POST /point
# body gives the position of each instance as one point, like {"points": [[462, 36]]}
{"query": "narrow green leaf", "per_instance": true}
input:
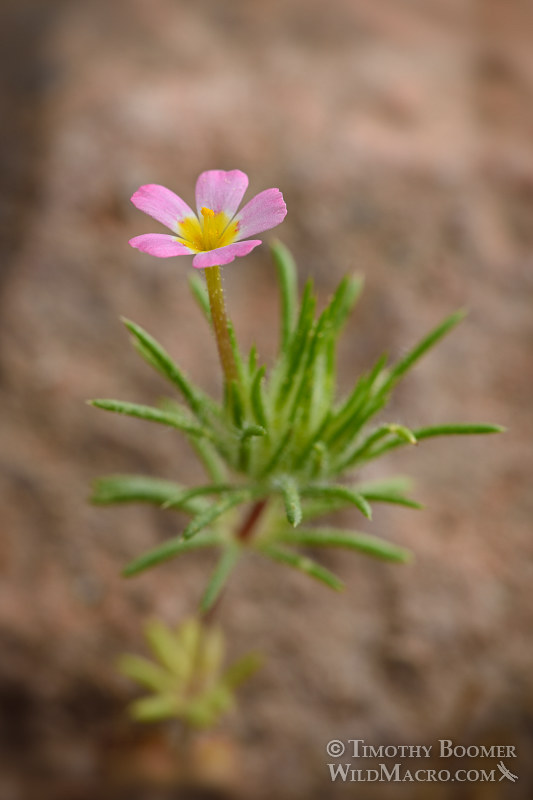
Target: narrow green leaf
{"points": [[360, 404], [319, 460], [158, 357], [465, 429], [328, 505], [362, 451], [236, 352], [390, 497], [296, 352], [140, 488], [403, 433], [461, 429], [172, 548], [145, 672], [158, 707], [429, 341], [248, 432], [291, 497], [314, 395], [339, 492], [379, 371], [235, 403], [152, 414], [203, 712], [321, 387], [200, 294], [303, 380], [394, 499], [288, 282], [397, 484], [222, 571], [311, 509], [256, 397], [343, 301], [390, 490], [304, 564], [210, 653], [313, 441], [302, 335], [147, 356], [219, 700], [241, 670], [277, 454], [179, 498], [189, 635], [212, 513], [311, 382], [330, 373], [351, 404], [165, 645], [373, 404], [351, 540], [252, 360]]}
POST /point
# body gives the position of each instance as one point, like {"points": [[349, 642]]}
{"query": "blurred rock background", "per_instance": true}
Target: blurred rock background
{"points": [[401, 137]]}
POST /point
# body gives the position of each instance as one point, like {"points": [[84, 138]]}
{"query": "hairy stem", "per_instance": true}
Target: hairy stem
{"points": [[220, 323], [242, 534]]}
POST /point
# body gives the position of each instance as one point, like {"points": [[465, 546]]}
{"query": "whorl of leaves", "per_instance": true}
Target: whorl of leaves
{"points": [[283, 436]]}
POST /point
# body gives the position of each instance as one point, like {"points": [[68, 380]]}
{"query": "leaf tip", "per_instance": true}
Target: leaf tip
{"points": [[406, 557], [128, 572]]}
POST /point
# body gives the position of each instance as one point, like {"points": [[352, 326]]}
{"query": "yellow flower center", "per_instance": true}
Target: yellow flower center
{"points": [[209, 233]]}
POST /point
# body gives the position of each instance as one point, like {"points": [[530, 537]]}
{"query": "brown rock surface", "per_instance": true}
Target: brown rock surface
{"points": [[401, 137]]}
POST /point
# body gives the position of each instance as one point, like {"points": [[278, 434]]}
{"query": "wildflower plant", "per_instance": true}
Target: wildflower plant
{"points": [[283, 448], [186, 679]]}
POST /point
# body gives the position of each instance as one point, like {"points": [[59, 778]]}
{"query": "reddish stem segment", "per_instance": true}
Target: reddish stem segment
{"points": [[249, 522]]}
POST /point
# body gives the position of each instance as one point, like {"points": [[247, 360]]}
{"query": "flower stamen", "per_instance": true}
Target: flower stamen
{"points": [[211, 232]]}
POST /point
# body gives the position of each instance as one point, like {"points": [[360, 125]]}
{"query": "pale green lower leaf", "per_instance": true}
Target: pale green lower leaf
{"points": [[168, 649], [145, 672], [156, 708], [243, 669]]}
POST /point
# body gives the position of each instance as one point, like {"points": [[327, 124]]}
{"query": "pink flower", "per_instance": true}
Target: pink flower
{"points": [[215, 234]]}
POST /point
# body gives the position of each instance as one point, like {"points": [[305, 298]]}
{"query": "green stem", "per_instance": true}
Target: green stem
{"points": [[243, 534], [220, 323]]}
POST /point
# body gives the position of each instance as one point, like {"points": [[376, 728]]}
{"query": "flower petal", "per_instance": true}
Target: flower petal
{"points": [[161, 245], [224, 255], [221, 191], [264, 211], [162, 204]]}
